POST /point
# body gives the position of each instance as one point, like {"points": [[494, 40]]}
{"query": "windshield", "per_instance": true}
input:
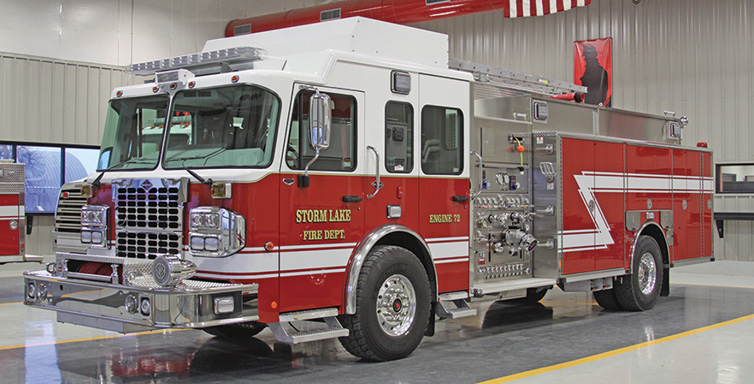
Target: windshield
{"points": [[232, 126], [133, 133]]}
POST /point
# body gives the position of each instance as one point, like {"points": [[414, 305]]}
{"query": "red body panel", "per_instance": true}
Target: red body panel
{"points": [[608, 161], [604, 180], [578, 156], [687, 223], [444, 223], [10, 207]]}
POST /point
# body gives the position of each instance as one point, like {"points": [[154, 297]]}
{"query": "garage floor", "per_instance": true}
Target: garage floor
{"points": [[702, 333]]}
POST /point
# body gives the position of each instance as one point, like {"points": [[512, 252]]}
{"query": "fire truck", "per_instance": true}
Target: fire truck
{"points": [[347, 180], [12, 214]]}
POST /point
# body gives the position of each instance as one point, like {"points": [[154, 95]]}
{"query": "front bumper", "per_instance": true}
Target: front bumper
{"points": [[121, 308]]}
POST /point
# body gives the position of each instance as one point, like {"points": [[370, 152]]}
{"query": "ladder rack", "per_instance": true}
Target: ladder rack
{"points": [[511, 83]]}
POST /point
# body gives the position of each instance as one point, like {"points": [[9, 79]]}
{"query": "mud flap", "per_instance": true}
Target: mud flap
{"points": [[665, 282]]}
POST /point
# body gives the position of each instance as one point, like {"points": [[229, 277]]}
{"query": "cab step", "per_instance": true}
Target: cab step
{"points": [[454, 309], [295, 328]]}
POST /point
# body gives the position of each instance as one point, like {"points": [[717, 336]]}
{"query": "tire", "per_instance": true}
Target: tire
{"points": [[639, 290], [607, 299], [533, 295], [392, 306], [236, 331]]}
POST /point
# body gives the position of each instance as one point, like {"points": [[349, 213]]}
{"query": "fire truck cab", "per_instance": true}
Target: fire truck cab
{"points": [[344, 173]]}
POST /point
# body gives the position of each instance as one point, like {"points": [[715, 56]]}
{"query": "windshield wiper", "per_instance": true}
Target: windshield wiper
{"points": [[96, 182], [196, 175]]}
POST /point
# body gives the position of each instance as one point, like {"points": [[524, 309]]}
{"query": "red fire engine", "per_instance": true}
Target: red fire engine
{"points": [[12, 213], [343, 180]]}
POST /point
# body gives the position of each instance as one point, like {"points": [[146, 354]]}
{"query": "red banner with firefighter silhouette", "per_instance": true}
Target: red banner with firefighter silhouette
{"points": [[593, 68]]}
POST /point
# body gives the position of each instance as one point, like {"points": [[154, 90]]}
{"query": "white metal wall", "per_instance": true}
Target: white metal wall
{"points": [[694, 57], [54, 101]]}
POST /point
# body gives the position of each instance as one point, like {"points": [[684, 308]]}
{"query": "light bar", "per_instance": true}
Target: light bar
{"points": [[198, 60]]}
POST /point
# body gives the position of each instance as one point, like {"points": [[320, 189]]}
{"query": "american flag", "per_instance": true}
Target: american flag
{"points": [[525, 8]]}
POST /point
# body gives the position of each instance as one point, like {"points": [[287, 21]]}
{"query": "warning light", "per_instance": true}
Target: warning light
{"points": [[274, 304], [701, 144], [269, 246]]}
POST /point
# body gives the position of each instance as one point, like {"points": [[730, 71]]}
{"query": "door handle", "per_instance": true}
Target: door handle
{"points": [[460, 199], [376, 184], [352, 199]]}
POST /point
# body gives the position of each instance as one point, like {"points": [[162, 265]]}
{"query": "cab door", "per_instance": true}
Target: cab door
{"points": [[320, 223], [444, 178]]}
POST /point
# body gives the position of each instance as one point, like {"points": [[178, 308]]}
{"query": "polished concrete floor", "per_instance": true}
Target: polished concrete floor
{"points": [[702, 333]]}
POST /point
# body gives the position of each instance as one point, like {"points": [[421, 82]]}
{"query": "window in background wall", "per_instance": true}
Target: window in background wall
{"points": [[47, 168], [42, 177], [735, 178], [80, 162], [6, 152]]}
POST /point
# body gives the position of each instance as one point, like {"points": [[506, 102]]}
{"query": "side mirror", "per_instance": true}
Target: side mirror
{"points": [[320, 116]]}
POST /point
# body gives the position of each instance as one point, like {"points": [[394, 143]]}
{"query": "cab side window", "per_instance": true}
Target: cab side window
{"points": [[341, 156], [441, 140], [399, 137]]}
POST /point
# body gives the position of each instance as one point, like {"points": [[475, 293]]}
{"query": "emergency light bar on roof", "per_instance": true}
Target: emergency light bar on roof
{"points": [[202, 63]]}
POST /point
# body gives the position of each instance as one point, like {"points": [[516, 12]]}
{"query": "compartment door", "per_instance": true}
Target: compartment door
{"points": [[579, 203], [9, 213]]}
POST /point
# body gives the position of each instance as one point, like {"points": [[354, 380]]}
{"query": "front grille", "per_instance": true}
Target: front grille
{"points": [[148, 217], [146, 245], [155, 208], [68, 214]]}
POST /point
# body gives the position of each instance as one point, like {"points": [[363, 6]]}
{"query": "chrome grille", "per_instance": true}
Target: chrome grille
{"points": [[148, 217], [146, 245], [68, 214]]}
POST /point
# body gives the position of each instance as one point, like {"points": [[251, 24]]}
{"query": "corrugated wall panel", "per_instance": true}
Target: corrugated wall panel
{"points": [[53, 101], [694, 57]]}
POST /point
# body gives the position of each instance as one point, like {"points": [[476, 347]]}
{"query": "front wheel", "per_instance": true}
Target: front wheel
{"points": [[639, 290], [392, 306]]}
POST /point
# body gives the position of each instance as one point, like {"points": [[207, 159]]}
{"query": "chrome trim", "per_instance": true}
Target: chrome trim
{"points": [[692, 261], [377, 185], [481, 169], [636, 241], [366, 245], [103, 305], [594, 275], [229, 231]]}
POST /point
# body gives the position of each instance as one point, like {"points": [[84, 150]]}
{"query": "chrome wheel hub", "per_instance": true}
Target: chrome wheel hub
{"points": [[647, 273], [396, 305]]}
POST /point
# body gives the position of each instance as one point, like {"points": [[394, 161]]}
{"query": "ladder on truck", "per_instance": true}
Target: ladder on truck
{"points": [[492, 82]]}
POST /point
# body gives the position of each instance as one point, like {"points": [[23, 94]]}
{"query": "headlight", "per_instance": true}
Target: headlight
{"points": [[216, 232], [94, 225], [94, 215]]}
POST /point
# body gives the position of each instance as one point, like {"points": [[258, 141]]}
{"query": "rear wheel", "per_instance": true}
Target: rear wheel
{"points": [[236, 331], [392, 306], [639, 290]]}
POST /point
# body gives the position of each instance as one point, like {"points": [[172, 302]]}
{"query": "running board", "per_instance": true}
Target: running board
{"points": [[305, 331]]}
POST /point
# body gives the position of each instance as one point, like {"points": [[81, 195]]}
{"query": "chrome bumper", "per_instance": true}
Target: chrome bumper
{"points": [[120, 308]]}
